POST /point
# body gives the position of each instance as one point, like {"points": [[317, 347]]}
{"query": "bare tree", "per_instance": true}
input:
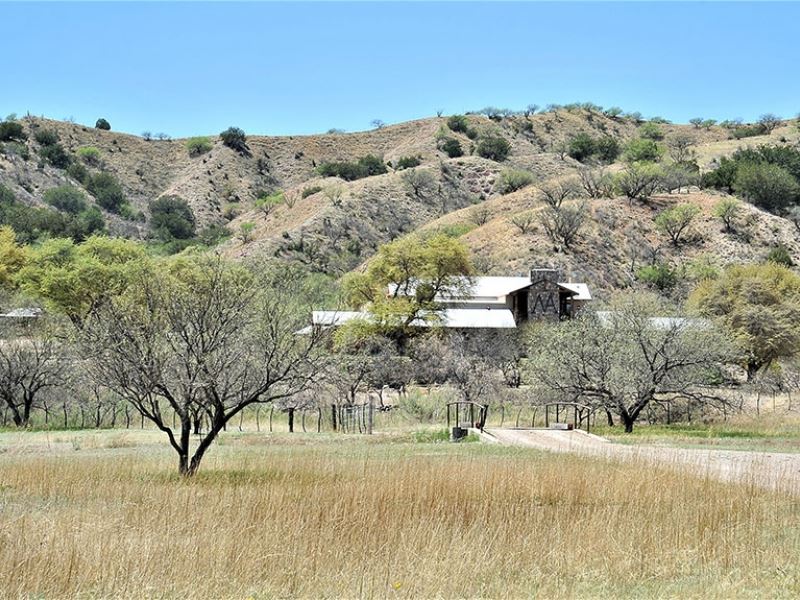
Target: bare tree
{"points": [[555, 192], [420, 181], [210, 338], [480, 215], [523, 221], [32, 360], [596, 183], [623, 359], [769, 122], [377, 124], [680, 146], [563, 224]]}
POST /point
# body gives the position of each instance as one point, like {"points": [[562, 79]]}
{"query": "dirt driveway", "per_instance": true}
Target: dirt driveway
{"points": [[774, 470]]}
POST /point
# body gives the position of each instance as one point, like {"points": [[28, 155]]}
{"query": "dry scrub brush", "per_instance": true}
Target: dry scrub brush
{"points": [[354, 519]]}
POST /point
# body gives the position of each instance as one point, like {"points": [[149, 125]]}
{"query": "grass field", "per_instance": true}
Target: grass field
{"points": [[103, 514]]}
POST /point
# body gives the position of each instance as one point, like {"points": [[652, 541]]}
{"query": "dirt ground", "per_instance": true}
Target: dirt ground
{"points": [[772, 470]]}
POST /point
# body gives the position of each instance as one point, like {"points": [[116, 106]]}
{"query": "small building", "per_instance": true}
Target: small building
{"points": [[493, 302]]}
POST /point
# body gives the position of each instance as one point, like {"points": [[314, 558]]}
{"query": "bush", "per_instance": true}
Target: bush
{"points": [[102, 124], [659, 276], [67, 198], [310, 191], [651, 131], [235, 138], [493, 147], [55, 155], [780, 255], [366, 166], [408, 162], [89, 155], [767, 185], [642, 150], [676, 221], [746, 131], [512, 180], [108, 192], [78, 172], [12, 131], [198, 145], [172, 218], [451, 147], [639, 181], [458, 123], [17, 148], [46, 137], [581, 147], [606, 149]]}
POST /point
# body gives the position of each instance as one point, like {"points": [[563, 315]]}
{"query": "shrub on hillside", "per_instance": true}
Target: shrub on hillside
{"points": [[16, 149], [780, 255], [55, 155], [451, 147], [583, 147], [651, 131], [767, 185], [12, 131], [493, 147], [108, 192], [46, 137], [102, 124], [366, 166], [458, 123], [67, 198], [642, 150], [512, 180], [198, 145], [310, 191], [408, 162], [659, 276], [89, 155], [78, 172], [676, 221], [639, 181], [172, 218], [235, 138]]}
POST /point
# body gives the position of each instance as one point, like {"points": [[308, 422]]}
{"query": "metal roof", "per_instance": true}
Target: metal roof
{"points": [[499, 287], [451, 318], [581, 290], [22, 313]]}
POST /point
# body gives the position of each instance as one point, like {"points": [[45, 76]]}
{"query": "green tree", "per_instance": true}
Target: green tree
{"points": [[639, 181], [235, 139], [267, 204], [198, 145], [102, 124], [642, 150], [493, 147], [12, 131], [767, 185], [458, 123], [107, 190], [404, 281], [451, 147], [581, 146], [67, 198], [172, 218], [55, 155], [651, 131], [12, 256], [676, 221], [512, 180], [760, 306], [728, 210]]}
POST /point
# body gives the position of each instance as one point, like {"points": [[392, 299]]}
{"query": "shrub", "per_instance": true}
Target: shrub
{"points": [[89, 155], [310, 191], [642, 150], [512, 180], [46, 137], [67, 198], [581, 146], [493, 147], [12, 131], [659, 276], [55, 155], [17, 148], [747, 131], [767, 185], [235, 138], [102, 124], [639, 181], [676, 221], [246, 232], [458, 123], [78, 172], [172, 218], [107, 190], [780, 255], [451, 147], [408, 162], [198, 145], [606, 149], [266, 204], [728, 210], [651, 131], [366, 166]]}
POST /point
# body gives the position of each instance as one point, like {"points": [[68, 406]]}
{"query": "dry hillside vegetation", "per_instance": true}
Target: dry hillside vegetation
{"points": [[350, 518], [333, 225]]}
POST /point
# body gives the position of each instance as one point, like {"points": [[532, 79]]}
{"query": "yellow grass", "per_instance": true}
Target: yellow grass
{"points": [[344, 516]]}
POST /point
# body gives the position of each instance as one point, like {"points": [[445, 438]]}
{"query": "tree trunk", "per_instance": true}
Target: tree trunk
{"points": [[333, 416], [610, 418], [290, 411]]}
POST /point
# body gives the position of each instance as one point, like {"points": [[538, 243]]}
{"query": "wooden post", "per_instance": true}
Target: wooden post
{"points": [[333, 415], [290, 411], [371, 416]]}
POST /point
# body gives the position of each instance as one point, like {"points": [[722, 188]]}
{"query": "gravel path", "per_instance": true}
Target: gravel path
{"points": [[773, 470]]}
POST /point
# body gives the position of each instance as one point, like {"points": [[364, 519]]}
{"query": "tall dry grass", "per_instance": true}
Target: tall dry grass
{"points": [[344, 517]]}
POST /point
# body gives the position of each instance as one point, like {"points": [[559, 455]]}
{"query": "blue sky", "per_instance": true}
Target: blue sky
{"points": [[187, 69]]}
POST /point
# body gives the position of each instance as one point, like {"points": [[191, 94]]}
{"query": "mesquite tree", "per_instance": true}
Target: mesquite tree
{"points": [[624, 359], [201, 336]]}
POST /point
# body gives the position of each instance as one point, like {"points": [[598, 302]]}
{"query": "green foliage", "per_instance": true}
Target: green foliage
{"points": [[512, 180], [108, 192], [760, 306], [408, 162], [780, 255], [89, 155], [458, 123], [651, 131], [13, 256], [17, 148], [246, 230], [746, 131], [102, 124], [723, 177], [451, 147], [767, 185], [235, 138], [266, 204], [642, 150], [199, 145], [455, 230], [659, 276], [67, 198], [493, 147], [366, 166], [310, 191], [78, 172], [728, 211], [55, 155], [12, 131], [46, 137], [172, 218], [75, 279], [639, 181], [676, 221], [583, 147]]}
